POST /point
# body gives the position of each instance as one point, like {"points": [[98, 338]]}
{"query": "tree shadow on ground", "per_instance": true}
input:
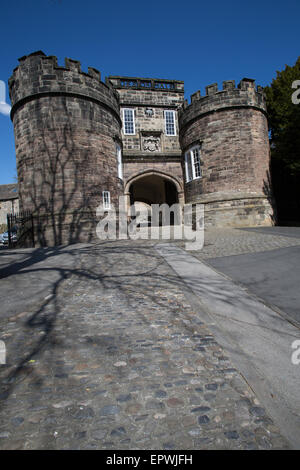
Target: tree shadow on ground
{"points": [[97, 263]]}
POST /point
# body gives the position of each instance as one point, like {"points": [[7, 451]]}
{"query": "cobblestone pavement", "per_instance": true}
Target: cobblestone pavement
{"points": [[118, 358], [228, 242]]}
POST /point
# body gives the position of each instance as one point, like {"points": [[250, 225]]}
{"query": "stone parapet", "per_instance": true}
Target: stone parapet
{"points": [[245, 95], [40, 75]]}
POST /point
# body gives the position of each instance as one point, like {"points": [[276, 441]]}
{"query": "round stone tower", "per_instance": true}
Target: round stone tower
{"points": [[229, 131], [67, 129]]}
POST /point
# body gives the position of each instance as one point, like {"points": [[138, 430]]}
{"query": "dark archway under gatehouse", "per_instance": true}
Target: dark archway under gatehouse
{"points": [[153, 189]]}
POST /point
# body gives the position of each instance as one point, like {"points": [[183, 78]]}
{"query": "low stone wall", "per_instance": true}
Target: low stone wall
{"points": [[237, 210]]}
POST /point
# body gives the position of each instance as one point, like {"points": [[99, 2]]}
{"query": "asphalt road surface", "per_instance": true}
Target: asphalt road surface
{"points": [[274, 276]]}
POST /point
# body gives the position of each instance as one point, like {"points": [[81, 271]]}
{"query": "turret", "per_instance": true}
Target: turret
{"points": [[67, 128], [224, 139]]}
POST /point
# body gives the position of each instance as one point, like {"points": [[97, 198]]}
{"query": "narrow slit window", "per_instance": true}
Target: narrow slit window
{"points": [[170, 122], [128, 121], [106, 200]]}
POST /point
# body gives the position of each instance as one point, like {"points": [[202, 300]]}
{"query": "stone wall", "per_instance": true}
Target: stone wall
{"points": [[171, 168], [150, 149]]}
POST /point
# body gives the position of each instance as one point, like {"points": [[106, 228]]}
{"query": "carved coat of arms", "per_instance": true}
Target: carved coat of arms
{"points": [[151, 144]]}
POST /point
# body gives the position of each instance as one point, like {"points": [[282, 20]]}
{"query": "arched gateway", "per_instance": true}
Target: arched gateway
{"points": [[152, 187]]}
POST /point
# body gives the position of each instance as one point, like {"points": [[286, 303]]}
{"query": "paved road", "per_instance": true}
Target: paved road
{"points": [[265, 260], [293, 232], [108, 351], [108, 348], [273, 275], [258, 339], [29, 275]]}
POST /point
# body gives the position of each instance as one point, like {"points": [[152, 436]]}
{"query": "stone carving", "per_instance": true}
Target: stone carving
{"points": [[149, 112], [151, 144]]}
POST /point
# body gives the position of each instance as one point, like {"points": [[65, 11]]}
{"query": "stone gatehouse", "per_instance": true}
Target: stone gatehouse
{"points": [[82, 142]]}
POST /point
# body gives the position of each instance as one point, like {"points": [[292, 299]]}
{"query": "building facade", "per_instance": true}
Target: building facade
{"points": [[9, 201], [81, 142]]}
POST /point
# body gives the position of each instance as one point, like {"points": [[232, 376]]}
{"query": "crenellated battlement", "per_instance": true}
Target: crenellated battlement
{"points": [[244, 95], [51, 61], [246, 84], [38, 74]]}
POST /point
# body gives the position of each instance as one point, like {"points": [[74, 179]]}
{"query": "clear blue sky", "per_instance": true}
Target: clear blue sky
{"points": [[200, 42]]}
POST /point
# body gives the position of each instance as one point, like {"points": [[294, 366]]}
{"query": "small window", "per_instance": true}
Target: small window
{"points": [[170, 122], [192, 164], [128, 121], [196, 162], [119, 158], [106, 200]]}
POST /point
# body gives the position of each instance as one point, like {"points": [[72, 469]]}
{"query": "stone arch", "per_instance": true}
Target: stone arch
{"points": [[154, 172], [149, 187]]}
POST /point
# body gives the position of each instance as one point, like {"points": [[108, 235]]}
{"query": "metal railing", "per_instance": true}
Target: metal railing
{"points": [[20, 230]]}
